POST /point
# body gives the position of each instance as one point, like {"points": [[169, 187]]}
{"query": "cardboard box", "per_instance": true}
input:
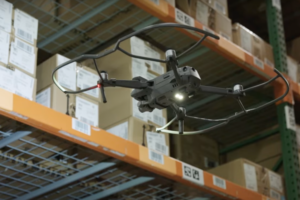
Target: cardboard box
{"points": [[272, 184], [4, 46], [52, 97], [293, 49], [133, 129], [6, 14], [171, 2], [242, 172], [197, 150], [208, 16], [219, 5], [66, 76], [23, 56], [25, 27], [268, 54], [292, 66], [88, 77], [15, 81], [248, 41]]}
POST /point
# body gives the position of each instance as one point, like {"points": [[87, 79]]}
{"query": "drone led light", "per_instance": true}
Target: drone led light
{"points": [[158, 92], [179, 96]]}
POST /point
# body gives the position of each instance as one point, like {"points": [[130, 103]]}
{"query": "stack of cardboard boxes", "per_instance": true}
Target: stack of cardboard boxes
{"points": [[120, 115], [253, 44], [252, 176], [213, 14], [18, 52]]}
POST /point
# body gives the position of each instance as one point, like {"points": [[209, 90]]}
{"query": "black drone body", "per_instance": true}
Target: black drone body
{"points": [[171, 88]]}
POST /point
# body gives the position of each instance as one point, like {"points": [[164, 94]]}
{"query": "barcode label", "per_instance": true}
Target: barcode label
{"points": [[268, 62], [24, 35], [24, 46], [208, 30], [219, 7], [258, 62], [183, 18], [161, 148], [157, 157], [81, 126], [219, 182], [155, 1], [85, 120], [159, 120], [275, 195], [276, 4], [192, 174]]}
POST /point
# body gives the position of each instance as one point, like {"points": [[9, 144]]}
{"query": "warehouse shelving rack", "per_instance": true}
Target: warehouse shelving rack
{"points": [[131, 175]]}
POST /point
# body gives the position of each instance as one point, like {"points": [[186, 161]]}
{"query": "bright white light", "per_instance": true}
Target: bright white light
{"points": [[179, 96]]}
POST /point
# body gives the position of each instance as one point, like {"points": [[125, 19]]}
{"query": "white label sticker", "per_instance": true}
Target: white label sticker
{"points": [[275, 195], [26, 27], [4, 45], [66, 76], [290, 118], [21, 57], [268, 62], [81, 126], [138, 68], [245, 40], [183, 18], [250, 176], [7, 79], [120, 130], [202, 13], [155, 1], [156, 67], [192, 174], [276, 4], [86, 111], [137, 113], [5, 16], [44, 97], [23, 84], [157, 142], [275, 181], [219, 182], [157, 157], [156, 116], [86, 79], [219, 7], [151, 76], [258, 62]]}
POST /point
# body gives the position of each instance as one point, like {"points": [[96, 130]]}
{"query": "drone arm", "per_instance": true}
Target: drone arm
{"points": [[219, 91], [135, 84]]}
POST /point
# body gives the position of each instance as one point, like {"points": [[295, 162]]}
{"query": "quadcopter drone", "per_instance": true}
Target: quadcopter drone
{"points": [[169, 89]]}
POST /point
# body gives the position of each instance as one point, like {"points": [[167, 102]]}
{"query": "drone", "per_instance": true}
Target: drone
{"points": [[171, 88]]}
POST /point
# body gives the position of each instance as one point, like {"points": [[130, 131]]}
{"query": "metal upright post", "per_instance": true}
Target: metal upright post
{"points": [[284, 110]]}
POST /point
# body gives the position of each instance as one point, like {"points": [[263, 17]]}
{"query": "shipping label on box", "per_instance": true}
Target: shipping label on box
{"points": [[6, 79], [5, 16], [202, 13], [66, 76], [4, 46], [26, 26], [23, 56], [157, 142], [250, 177], [275, 181], [120, 130], [24, 85], [44, 97], [87, 111], [86, 79]]}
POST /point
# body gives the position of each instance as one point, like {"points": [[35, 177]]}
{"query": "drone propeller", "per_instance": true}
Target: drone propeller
{"points": [[165, 90]]}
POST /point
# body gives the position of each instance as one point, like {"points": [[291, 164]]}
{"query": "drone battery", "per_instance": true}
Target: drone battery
{"points": [[66, 76], [141, 132]]}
